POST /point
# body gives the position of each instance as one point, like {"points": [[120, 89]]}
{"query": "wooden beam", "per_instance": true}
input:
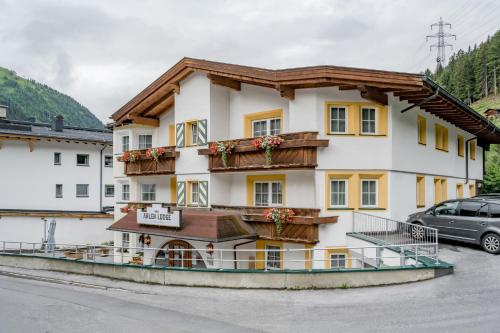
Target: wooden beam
{"points": [[286, 92], [144, 121], [160, 106], [225, 82], [347, 87], [373, 94], [175, 87]]}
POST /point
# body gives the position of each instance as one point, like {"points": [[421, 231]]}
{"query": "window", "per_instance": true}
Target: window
{"points": [[125, 143], [368, 193], [273, 257], [195, 193], [82, 159], [125, 192], [268, 194], [472, 150], [472, 190], [57, 158], [470, 209], [125, 240], [145, 141], [337, 260], [441, 138], [194, 133], [460, 146], [447, 209], [483, 212], [420, 191], [422, 130], [148, 192], [338, 193], [108, 161], [266, 127], [368, 121], [109, 190], [460, 191], [440, 190], [82, 190], [494, 211], [59, 191], [338, 119]]}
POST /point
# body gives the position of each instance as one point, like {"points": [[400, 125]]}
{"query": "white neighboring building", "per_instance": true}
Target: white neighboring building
{"points": [[55, 172], [349, 145]]}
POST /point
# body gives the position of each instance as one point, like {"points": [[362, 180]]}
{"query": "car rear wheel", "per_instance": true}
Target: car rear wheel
{"points": [[491, 243], [417, 231]]}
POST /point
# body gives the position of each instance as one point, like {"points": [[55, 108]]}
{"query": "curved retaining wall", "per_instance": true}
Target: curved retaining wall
{"points": [[232, 279]]}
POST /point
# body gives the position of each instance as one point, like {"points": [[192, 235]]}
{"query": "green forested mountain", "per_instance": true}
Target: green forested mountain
{"points": [[470, 75], [29, 99]]}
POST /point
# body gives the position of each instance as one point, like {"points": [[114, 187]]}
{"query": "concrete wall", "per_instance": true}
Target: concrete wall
{"points": [[224, 279], [68, 230]]}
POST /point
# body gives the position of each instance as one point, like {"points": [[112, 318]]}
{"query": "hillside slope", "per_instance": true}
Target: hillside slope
{"points": [[29, 99]]}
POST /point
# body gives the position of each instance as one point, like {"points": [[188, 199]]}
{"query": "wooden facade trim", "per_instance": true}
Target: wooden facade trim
{"points": [[144, 166]]}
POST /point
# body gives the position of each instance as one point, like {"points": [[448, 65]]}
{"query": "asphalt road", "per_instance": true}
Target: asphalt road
{"points": [[467, 301]]}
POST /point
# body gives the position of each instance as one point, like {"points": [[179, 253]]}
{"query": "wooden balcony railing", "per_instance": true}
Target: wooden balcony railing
{"points": [[144, 165], [304, 227], [297, 151]]}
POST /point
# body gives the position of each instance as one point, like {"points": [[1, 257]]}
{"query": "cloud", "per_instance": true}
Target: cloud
{"points": [[104, 52]]}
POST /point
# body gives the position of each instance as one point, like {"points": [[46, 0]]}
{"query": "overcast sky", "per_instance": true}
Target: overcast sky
{"points": [[103, 52]]}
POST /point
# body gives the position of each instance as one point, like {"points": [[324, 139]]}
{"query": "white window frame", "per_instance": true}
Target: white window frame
{"points": [[149, 193], [109, 157], [142, 147], [346, 118], [125, 192], [88, 160], [61, 194], [192, 192], [376, 192], [338, 260], [269, 193], [193, 130], [123, 143], [268, 126], [59, 157], [375, 120], [346, 182], [125, 241], [82, 196], [273, 264], [106, 187]]}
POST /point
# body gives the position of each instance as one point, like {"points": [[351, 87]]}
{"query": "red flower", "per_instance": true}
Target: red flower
{"points": [[148, 153], [257, 143], [213, 148]]}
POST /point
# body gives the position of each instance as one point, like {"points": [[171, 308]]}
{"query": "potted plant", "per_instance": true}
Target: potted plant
{"points": [[279, 216], [155, 153], [268, 143], [130, 156], [104, 251], [222, 148]]}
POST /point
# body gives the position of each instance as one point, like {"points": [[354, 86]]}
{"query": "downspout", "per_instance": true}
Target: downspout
{"points": [[100, 179], [234, 252]]}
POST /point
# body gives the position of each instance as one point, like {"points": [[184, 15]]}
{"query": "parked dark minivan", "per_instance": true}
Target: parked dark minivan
{"points": [[474, 220]]}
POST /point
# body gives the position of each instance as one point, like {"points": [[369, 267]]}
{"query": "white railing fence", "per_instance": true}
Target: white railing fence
{"points": [[368, 257], [384, 231]]}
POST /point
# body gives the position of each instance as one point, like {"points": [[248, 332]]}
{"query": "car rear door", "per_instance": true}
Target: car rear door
{"points": [[471, 219], [441, 217]]}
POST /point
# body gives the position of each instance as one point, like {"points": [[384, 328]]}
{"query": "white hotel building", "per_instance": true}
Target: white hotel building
{"points": [[54, 172], [384, 143]]}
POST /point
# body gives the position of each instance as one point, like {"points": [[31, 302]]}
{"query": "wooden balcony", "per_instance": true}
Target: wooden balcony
{"points": [[304, 227], [144, 165], [297, 151]]}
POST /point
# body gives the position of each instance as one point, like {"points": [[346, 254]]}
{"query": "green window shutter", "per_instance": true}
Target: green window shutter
{"points": [[180, 137], [181, 193], [202, 132], [203, 194]]}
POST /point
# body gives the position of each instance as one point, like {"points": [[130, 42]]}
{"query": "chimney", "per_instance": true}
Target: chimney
{"points": [[59, 123], [3, 111]]}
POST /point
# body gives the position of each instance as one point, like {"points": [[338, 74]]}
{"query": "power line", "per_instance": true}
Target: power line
{"points": [[441, 44]]}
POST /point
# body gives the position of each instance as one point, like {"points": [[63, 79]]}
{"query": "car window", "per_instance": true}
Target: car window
{"points": [[494, 211], [470, 208], [447, 208], [483, 212]]}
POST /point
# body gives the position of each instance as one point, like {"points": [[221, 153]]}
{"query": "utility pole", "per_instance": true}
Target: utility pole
{"points": [[441, 44]]}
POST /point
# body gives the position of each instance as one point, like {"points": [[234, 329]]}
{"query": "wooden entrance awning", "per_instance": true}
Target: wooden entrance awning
{"points": [[209, 226]]}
